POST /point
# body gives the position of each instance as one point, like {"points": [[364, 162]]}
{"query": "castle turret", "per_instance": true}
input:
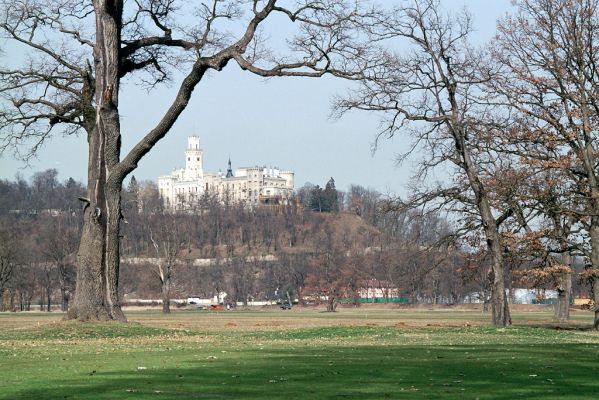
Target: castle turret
{"points": [[289, 178], [194, 168]]}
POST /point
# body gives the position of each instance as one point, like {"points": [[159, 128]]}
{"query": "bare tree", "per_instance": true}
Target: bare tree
{"points": [[429, 92], [25, 285], [58, 242], [542, 234], [72, 78], [8, 261], [330, 265], [47, 278], [548, 52], [166, 239], [216, 278], [241, 278]]}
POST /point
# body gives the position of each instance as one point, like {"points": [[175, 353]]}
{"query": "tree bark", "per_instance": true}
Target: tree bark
{"points": [[166, 297], [64, 294], [166, 301], [500, 313], [594, 235], [49, 299], [562, 308], [96, 294]]}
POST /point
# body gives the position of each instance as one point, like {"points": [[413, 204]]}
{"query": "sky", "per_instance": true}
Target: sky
{"points": [[280, 122]]}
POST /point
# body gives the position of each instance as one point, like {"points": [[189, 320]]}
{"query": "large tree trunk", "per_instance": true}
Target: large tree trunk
{"points": [[499, 305], [64, 294], [13, 294], [594, 235], [562, 308], [49, 299], [166, 296], [96, 293]]}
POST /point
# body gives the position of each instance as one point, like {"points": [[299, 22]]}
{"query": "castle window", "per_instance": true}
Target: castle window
{"points": [[198, 158]]}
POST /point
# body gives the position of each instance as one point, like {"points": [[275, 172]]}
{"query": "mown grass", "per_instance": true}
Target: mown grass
{"points": [[282, 355]]}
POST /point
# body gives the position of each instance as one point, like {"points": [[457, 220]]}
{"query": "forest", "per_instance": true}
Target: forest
{"points": [[260, 253]]}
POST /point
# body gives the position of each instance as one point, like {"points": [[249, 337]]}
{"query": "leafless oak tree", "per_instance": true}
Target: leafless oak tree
{"points": [[76, 55], [58, 241], [8, 262], [167, 240], [429, 92], [548, 51]]}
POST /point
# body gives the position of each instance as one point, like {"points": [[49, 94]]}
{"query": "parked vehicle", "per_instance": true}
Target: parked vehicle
{"points": [[286, 305]]}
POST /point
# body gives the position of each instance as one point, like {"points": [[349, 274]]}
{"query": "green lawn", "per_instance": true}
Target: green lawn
{"points": [[297, 355]]}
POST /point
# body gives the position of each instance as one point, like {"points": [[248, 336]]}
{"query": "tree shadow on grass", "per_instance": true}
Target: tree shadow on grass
{"points": [[563, 326], [358, 372]]}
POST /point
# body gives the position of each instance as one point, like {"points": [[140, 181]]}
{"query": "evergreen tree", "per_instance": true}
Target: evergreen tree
{"points": [[131, 197], [331, 197], [326, 200], [316, 199]]}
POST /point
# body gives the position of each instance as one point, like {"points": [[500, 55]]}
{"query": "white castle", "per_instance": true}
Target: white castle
{"points": [[184, 187]]}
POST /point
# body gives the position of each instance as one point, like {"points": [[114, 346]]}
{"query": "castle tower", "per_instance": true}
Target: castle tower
{"points": [[194, 163], [229, 170]]}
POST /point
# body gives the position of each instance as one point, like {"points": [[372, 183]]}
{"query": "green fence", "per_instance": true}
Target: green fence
{"points": [[395, 300]]}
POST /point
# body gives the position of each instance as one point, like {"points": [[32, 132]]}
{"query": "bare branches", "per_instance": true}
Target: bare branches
{"points": [[547, 52], [431, 92], [56, 86], [52, 84], [315, 61]]}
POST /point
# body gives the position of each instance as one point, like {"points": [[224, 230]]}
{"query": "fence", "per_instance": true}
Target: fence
{"points": [[394, 300]]}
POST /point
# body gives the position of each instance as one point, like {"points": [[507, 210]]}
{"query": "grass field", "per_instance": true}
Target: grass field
{"points": [[365, 353]]}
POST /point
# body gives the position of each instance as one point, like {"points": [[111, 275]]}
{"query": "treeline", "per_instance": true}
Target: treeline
{"points": [[249, 253], [265, 253], [40, 223], [357, 248], [44, 193]]}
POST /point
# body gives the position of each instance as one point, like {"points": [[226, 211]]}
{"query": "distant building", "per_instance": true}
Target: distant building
{"points": [[183, 188], [532, 296], [376, 289], [518, 296]]}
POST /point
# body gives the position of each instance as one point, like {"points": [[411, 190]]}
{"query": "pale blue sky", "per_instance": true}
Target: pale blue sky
{"points": [[280, 122]]}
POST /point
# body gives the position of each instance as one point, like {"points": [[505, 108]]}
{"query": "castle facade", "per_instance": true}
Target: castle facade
{"points": [[184, 187]]}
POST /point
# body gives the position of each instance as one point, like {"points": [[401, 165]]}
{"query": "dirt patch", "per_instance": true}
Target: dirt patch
{"points": [[314, 317]]}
